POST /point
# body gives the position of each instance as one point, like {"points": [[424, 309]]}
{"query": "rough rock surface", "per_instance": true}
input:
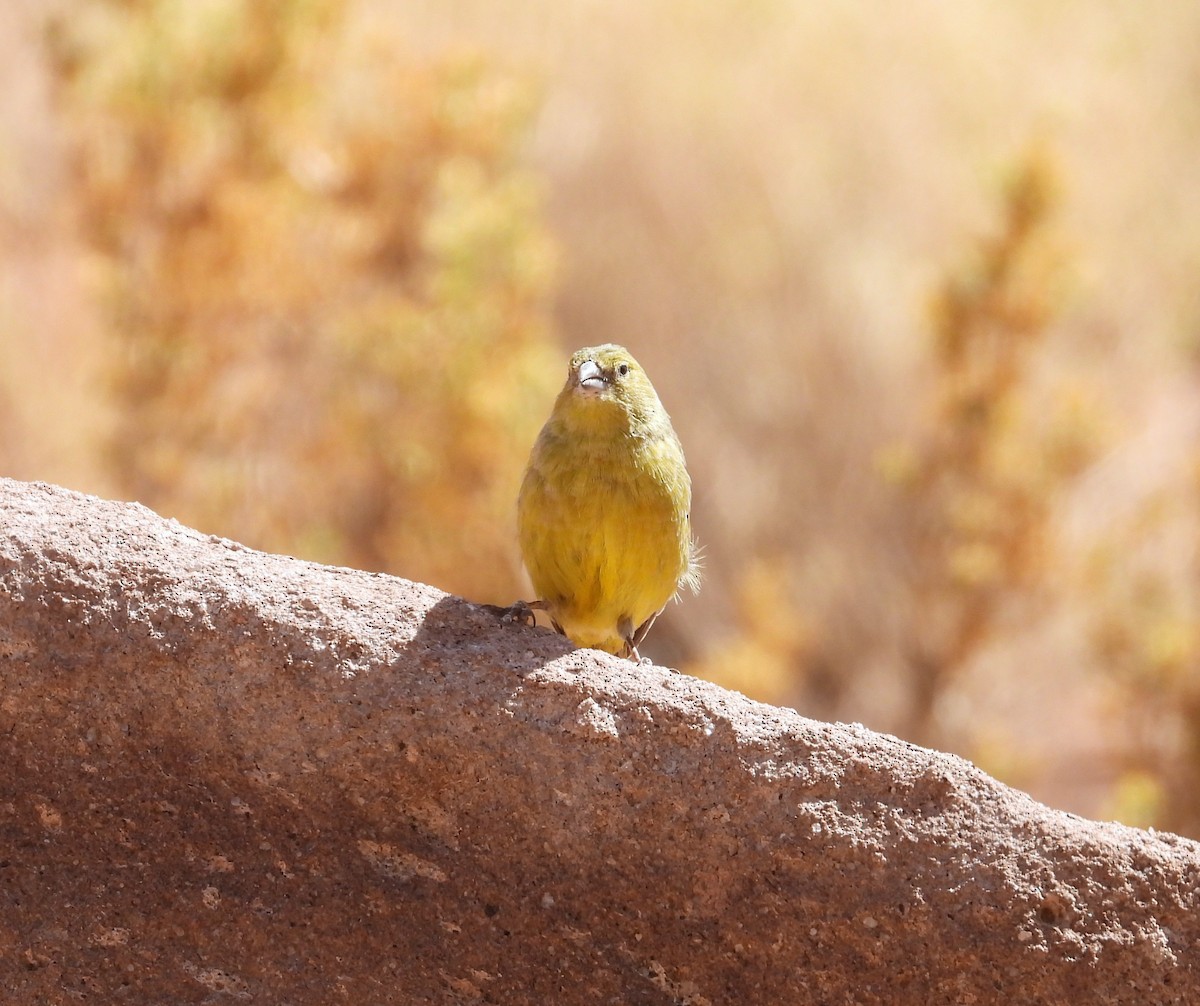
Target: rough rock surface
{"points": [[230, 776]]}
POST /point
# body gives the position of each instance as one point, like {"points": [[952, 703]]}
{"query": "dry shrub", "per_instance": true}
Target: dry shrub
{"points": [[326, 281], [976, 491], [1143, 580], [965, 535]]}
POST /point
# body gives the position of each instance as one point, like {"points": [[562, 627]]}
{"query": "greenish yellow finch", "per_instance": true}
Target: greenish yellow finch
{"points": [[603, 512]]}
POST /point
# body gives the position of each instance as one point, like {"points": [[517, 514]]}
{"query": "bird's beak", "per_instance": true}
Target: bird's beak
{"points": [[591, 376]]}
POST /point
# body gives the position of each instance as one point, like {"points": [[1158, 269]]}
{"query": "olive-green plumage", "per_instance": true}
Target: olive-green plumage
{"points": [[603, 511]]}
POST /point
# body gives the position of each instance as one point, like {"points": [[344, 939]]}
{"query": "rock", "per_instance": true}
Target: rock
{"points": [[231, 776]]}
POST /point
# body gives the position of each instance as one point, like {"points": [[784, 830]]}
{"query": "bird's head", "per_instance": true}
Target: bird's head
{"points": [[609, 376]]}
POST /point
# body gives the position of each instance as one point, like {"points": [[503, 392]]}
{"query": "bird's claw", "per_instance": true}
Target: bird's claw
{"points": [[520, 612]]}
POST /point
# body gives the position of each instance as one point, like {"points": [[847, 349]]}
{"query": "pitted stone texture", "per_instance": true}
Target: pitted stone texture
{"points": [[238, 777]]}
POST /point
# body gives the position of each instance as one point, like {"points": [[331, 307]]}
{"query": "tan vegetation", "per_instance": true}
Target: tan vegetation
{"points": [[918, 288]]}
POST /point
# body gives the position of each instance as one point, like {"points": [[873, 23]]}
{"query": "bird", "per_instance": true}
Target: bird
{"points": [[603, 514]]}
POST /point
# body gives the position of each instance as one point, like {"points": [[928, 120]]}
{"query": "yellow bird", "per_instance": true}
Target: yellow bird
{"points": [[603, 515]]}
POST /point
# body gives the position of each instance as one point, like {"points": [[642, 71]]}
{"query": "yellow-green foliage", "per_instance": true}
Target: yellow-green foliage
{"points": [[326, 280]]}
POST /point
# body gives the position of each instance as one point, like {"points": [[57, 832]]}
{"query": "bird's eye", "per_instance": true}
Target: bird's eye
{"points": [[623, 369]]}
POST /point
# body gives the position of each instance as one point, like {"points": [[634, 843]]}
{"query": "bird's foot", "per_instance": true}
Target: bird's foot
{"points": [[521, 612], [630, 652]]}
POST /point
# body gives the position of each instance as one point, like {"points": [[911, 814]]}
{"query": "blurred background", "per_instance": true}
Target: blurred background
{"points": [[919, 285]]}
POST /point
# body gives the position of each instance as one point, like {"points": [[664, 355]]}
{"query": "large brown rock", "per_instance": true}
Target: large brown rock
{"points": [[230, 776]]}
